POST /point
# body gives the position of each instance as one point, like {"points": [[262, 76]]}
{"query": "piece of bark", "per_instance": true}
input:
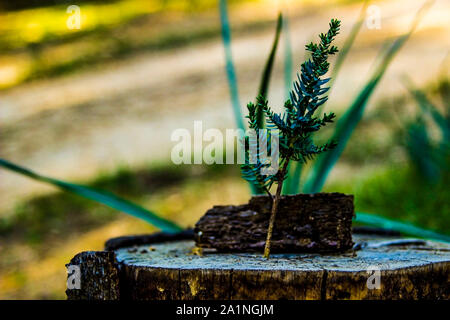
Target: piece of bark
{"points": [[137, 240], [98, 276], [319, 222]]}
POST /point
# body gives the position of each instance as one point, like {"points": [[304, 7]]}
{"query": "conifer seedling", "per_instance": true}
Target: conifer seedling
{"points": [[295, 126]]}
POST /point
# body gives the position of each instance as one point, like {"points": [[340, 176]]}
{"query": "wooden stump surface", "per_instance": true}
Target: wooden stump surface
{"points": [[408, 269]]}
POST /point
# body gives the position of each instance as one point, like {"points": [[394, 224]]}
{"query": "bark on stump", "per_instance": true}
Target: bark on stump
{"points": [[96, 274], [408, 269], [319, 222]]}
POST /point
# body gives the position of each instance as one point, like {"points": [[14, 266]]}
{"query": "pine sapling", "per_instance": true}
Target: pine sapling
{"points": [[295, 126]]}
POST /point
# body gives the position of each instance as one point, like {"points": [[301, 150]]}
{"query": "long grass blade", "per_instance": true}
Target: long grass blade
{"points": [[292, 184], [231, 73], [421, 151], [348, 43], [288, 64], [265, 79], [348, 122], [102, 197], [428, 107], [406, 228], [265, 82]]}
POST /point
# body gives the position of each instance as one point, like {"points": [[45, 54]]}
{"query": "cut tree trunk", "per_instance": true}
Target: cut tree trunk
{"points": [[319, 222], [380, 267]]}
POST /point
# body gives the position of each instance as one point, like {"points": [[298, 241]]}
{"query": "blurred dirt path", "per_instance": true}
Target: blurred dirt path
{"points": [[75, 126]]}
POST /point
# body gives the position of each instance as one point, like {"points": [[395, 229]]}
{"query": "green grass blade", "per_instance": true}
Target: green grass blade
{"points": [[406, 228], [348, 43], [231, 73], [102, 197], [421, 151], [288, 64], [348, 122], [292, 184], [267, 72], [429, 159], [428, 107]]}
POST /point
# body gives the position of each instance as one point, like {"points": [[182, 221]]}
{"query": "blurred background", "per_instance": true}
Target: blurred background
{"points": [[97, 106]]}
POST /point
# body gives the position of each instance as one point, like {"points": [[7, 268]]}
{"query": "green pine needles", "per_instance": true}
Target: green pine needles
{"points": [[294, 128]]}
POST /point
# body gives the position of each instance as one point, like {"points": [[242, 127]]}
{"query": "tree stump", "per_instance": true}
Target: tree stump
{"points": [[320, 222], [380, 267]]}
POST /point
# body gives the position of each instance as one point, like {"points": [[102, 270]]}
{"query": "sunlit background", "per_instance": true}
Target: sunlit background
{"points": [[97, 105]]}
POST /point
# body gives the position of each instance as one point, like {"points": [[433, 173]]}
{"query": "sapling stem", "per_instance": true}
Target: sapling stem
{"points": [[273, 213]]}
